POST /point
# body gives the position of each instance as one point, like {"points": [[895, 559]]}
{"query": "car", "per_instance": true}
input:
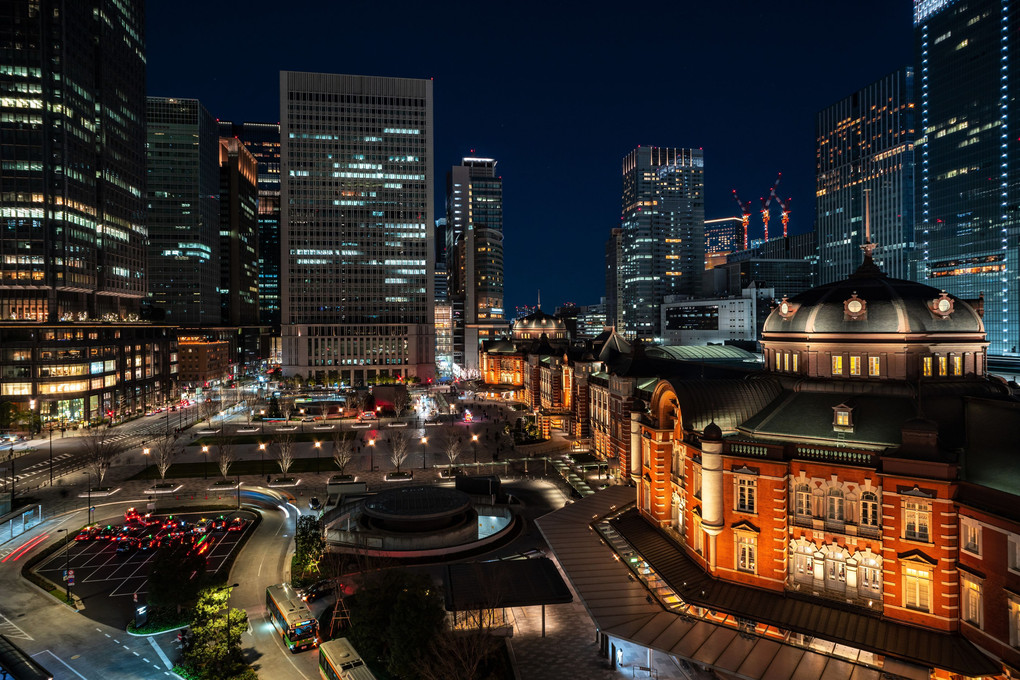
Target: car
{"points": [[202, 545], [201, 526], [172, 523], [237, 524], [149, 542], [308, 419], [108, 533], [319, 589], [313, 503], [126, 532], [367, 415], [87, 533], [219, 524], [129, 545]]}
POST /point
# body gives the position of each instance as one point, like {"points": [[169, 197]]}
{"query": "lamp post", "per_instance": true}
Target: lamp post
{"points": [[302, 424], [424, 454], [205, 462], [31, 417], [89, 476], [145, 452], [262, 458], [318, 445], [371, 458], [51, 453], [262, 413], [226, 614], [474, 446], [67, 581]]}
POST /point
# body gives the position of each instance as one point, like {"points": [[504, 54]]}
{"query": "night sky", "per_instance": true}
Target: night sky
{"points": [[558, 93]]}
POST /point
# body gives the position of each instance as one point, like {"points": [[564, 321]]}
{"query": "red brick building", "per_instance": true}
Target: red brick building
{"points": [[862, 494]]}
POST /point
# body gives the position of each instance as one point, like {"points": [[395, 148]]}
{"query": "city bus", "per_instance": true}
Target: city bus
{"points": [[338, 660], [291, 617]]}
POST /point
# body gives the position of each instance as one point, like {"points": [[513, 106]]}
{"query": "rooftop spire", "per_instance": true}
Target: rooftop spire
{"points": [[868, 266]]}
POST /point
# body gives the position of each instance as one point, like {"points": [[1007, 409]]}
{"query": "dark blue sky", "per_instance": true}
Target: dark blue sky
{"points": [[559, 93]]}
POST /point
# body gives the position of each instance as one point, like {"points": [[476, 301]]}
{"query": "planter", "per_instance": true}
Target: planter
{"points": [[336, 479], [165, 487], [401, 476], [101, 492], [283, 482], [449, 473]]}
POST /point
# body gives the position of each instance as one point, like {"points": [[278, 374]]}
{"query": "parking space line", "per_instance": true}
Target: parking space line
{"points": [[7, 623], [159, 653], [46, 651]]}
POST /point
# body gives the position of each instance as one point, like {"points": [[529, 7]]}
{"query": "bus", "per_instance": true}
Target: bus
{"points": [[291, 616], [338, 660]]}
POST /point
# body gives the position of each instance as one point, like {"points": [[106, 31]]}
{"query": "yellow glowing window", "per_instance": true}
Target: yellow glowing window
{"points": [[837, 365], [926, 367], [795, 362], [786, 361], [855, 365], [943, 365], [957, 365], [843, 418], [874, 366]]}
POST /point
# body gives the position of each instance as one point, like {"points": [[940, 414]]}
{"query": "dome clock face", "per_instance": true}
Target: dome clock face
{"points": [[944, 305], [854, 306]]}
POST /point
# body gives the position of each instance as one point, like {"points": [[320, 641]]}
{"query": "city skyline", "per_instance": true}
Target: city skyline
{"points": [[753, 117]]}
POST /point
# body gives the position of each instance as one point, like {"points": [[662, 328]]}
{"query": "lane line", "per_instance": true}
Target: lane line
{"points": [[159, 653], [46, 651]]}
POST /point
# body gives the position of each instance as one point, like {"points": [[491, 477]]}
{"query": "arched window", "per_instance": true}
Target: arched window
{"points": [[835, 570], [869, 576], [802, 566], [869, 509], [834, 505]]}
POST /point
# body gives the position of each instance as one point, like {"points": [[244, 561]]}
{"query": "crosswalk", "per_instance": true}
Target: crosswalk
{"points": [[8, 628]]}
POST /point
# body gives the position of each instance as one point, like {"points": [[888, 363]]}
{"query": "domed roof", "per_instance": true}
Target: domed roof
{"points": [[539, 321], [870, 302]]}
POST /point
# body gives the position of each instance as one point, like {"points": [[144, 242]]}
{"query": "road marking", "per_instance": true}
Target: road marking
{"points": [[159, 653], [46, 651], [136, 653], [106, 634], [6, 623], [146, 660]]}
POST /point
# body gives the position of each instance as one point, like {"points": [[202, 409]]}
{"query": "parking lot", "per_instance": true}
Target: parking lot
{"points": [[101, 572]]}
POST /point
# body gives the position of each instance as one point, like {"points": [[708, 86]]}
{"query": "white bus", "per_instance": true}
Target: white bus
{"points": [[338, 660]]}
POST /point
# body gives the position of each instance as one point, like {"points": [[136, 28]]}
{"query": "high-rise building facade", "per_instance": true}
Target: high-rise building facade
{"points": [[723, 236], [662, 240], [357, 226], [72, 215], [474, 253], [183, 187], [865, 144], [263, 141], [968, 165], [239, 271], [613, 280]]}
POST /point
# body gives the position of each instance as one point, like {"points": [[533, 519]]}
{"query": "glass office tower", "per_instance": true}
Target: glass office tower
{"points": [[968, 166], [357, 227], [662, 238], [263, 141], [865, 143], [183, 187]]}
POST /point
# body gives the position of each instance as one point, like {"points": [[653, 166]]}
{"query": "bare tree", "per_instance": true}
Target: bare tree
{"points": [[400, 447], [166, 450], [451, 443], [343, 449], [100, 449], [224, 455], [401, 401], [285, 452], [208, 409]]}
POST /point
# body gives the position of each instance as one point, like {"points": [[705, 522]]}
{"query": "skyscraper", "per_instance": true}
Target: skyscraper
{"points": [[239, 271], [723, 236], [613, 280], [263, 141], [357, 226], [474, 252], [865, 143], [183, 186], [662, 242], [73, 135], [968, 160], [72, 214]]}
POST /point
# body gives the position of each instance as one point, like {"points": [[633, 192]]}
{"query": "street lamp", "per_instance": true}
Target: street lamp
{"points": [[31, 416], [371, 459], [51, 453], [302, 424], [262, 413], [67, 581], [145, 452], [262, 458], [205, 462], [89, 475], [424, 454], [474, 446], [318, 445]]}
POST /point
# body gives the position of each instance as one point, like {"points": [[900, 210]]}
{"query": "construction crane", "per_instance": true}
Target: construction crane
{"points": [[765, 207], [745, 214], [785, 205]]}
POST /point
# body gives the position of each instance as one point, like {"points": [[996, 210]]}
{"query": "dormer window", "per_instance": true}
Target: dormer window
{"points": [[842, 418]]}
